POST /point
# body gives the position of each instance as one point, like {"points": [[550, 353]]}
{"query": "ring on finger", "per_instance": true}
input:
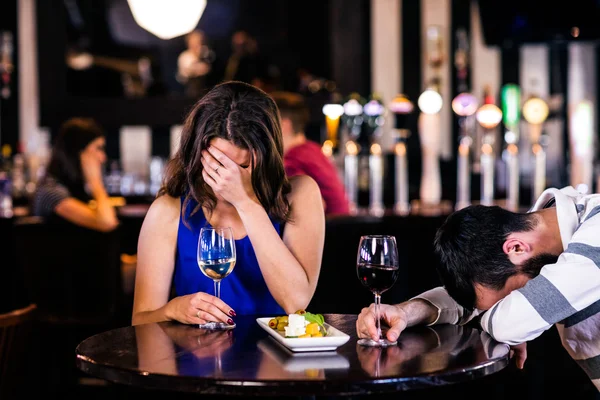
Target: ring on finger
{"points": [[198, 314], [217, 169]]}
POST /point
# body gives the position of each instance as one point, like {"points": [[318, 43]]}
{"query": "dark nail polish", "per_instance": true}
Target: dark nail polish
{"points": [[230, 321], [232, 313]]}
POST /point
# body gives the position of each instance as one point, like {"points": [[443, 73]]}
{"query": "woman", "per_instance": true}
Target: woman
{"points": [[74, 177], [229, 172]]}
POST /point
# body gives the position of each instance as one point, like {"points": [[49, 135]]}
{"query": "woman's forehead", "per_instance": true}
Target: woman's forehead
{"points": [[236, 154]]}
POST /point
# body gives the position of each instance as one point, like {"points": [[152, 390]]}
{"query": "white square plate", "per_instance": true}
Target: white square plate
{"points": [[334, 338]]}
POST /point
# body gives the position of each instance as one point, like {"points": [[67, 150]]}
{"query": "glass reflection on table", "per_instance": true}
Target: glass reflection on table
{"points": [[429, 350]]}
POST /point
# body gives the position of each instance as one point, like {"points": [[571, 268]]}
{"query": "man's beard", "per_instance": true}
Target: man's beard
{"points": [[534, 265]]}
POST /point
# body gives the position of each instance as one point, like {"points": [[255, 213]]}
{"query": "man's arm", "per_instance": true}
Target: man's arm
{"points": [[432, 307], [449, 311], [561, 290]]}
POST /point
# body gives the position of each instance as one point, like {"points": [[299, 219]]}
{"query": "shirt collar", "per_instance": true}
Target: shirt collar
{"points": [[566, 211]]}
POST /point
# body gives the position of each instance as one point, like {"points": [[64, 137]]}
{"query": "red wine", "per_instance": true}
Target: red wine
{"points": [[378, 278]]}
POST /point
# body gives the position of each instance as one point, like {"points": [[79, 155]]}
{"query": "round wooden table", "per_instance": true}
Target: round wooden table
{"points": [[248, 361]]}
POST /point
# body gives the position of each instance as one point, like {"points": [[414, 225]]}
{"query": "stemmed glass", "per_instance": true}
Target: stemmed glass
{"points": [[377, 270], [216, 259]]}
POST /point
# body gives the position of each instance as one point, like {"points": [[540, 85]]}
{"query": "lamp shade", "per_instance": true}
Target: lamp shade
{"points": [[489, 116], [353, 108], [430, 102], [535, 110], [167, 18], [401, 105], [333, 110], [374, 108], [465, 104]]}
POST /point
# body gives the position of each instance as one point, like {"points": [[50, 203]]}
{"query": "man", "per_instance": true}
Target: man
{"points": [[519, 273], [304, 157], [194, 64]]}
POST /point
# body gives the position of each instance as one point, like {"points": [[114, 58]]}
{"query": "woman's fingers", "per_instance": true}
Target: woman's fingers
{"points": [[221, 158]]}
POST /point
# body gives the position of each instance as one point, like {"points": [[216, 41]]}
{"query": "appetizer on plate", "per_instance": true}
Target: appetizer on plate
{"points": [[301, 324]]}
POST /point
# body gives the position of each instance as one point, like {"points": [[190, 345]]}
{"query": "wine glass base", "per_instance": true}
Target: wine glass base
{"points": [[216, 326], [376, 343]]}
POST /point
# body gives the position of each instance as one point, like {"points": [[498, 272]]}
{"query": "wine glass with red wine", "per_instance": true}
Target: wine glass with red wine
{"points": [[377, 269]]}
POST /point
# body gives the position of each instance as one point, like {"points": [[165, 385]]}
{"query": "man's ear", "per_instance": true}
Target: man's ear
{"points": [[515, 248]]}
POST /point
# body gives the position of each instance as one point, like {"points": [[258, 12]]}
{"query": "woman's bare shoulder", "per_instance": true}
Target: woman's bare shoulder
{"points": [[303, 186], [164, 209]]}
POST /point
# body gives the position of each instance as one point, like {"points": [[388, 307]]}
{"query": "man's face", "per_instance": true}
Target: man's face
{"points": [[487, 297]]}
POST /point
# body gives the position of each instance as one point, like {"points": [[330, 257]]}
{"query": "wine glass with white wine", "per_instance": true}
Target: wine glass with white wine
{"points": [[216, 259]]}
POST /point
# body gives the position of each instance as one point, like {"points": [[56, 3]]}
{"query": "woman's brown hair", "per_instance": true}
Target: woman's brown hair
{"points": [[248, 118]]}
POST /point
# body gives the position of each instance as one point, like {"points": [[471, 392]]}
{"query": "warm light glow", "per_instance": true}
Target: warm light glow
{"points": [[536, 148], [487, 149], [510, 137], [167, 18], [489, 116], [401, 105], [327, 148], [512, 149], [463, 150], [376, 149], [333, 111], [353, 108], [465, 104], [400, 149], [582, 128], [430, 102], [373, 108], [535, 110], [351, 148]]}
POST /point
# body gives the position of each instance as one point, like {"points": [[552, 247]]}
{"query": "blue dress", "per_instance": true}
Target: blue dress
{"points": [[245, 289]]}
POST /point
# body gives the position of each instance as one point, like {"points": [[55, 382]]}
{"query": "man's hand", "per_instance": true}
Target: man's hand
{"points": [[397, 317], [519, 353]]}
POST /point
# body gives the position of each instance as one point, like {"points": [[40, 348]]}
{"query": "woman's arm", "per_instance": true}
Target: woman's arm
{"points": [[290, 267], [101, 218], [156, 261], [154, 274]]}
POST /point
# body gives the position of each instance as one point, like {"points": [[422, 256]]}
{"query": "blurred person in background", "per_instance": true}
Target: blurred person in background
{"points": [[246, 63], [74, 178], [228, 172], [304, 157], [194, 64]]}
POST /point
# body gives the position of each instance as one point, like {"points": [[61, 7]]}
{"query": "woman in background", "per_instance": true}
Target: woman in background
{"points": [[74, 177], [228, 172]]}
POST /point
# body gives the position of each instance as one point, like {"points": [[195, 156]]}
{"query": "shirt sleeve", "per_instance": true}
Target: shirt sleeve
{"points": [[449, 311], [293, 167], [561, 290], [48, 197]]}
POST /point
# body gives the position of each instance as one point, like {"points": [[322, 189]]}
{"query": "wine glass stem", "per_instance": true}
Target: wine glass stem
{"points": [[377, 315], [217, 289]]}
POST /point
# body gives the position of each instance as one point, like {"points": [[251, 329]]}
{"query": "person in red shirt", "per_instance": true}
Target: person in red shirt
{"points": [[304, 157]]}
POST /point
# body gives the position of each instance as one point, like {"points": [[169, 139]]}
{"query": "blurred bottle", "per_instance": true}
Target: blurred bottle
{"points": [[6, 204], [19, 178], [113, 179], [6, 162], [157, 165]]}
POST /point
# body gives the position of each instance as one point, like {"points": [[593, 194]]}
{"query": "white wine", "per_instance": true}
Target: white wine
{"points": [[217, 269]]}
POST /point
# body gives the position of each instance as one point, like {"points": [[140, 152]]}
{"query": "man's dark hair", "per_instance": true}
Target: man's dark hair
{"points": [[469, 246], [292, 106]]}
